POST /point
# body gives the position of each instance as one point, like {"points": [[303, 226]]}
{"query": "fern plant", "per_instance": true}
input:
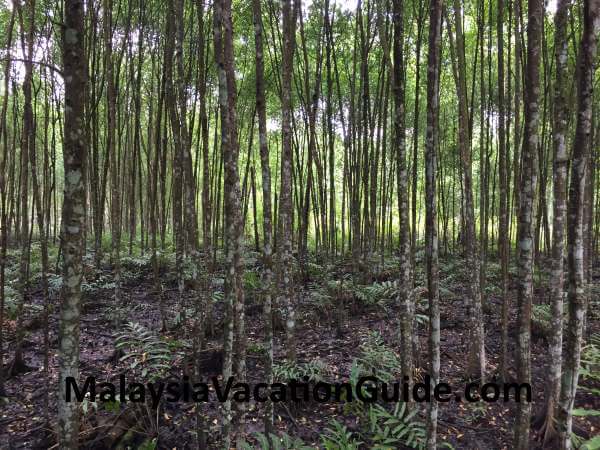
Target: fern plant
{"points": [[315, 271], [286, 370], [391, 430], [321, 301], [10, 302], [541, 314], [337, 436], [590, 372], [217, 297], [144, 351], [384, 429], [149, 357], [54, 285], [275, 442], [251, 280], [384, 295], [136, 262], [377, 359]]}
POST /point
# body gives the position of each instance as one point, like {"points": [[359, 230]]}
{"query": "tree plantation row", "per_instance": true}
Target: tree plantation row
{"points": [[273, 191]]}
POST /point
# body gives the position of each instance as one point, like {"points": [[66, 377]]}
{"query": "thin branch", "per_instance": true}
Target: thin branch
{"points": [[40, 63]]}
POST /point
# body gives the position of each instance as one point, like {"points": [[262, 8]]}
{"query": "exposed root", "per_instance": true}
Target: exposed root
{"points": [[545, 423], [17, 366]]}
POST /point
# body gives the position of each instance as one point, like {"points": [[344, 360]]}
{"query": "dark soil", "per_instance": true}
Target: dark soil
{"points": [[463, 425]]}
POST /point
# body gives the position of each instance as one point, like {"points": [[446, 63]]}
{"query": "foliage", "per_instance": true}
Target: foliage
{"points": [[190, 269], [475, 411], [541, 318], [251, 280], [138, 263], [149, 444], [217, 296], [251, 258], [320, 296], [321, 300], [102, 282], [594, 299], [590, 444], [276, 442], [182, 314], [590, 372], [390, 430], [384, 429], [54, 285], [144, 351], [342, 289], [385, 295], [317, 271], [337, 437], [374, 294], [286, 370], [377, 359], [10, 302], [256, 348]]}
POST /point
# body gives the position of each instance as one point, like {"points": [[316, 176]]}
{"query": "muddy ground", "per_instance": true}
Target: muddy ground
{"points": [[463, 425]]}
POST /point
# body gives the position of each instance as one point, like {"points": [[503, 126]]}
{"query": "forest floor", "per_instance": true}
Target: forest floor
{"points": [[462, 425]]}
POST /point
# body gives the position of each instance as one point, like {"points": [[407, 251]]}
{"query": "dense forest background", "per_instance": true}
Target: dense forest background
{"points": [[277, 190]]}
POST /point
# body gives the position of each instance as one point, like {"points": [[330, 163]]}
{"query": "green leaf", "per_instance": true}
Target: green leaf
{"points": [[592, 444], [581, 412]]}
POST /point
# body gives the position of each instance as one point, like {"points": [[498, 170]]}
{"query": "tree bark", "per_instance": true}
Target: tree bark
{"points": [[431, 238], [559, 178], [503, 185], [476, 367], [234, 239], [267, 209], [405, 300], [73, 216], [576, 216], [528, 190], [285, 222]]}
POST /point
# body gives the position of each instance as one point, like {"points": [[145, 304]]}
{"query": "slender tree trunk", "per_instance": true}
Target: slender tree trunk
{"points": [[528, 190], [27, 143], [189, 184], [476, 339], [503, 234], [179, 139], [154, 206], [405, 300], [37, 203], [431, 138], [234, 294], [206, 203], [285, 222], [576, 216], [73, 217], [331, 137], [518, 94], [267, 209], [112, 151], [414, 233], [559, 131], [3, 205]]}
